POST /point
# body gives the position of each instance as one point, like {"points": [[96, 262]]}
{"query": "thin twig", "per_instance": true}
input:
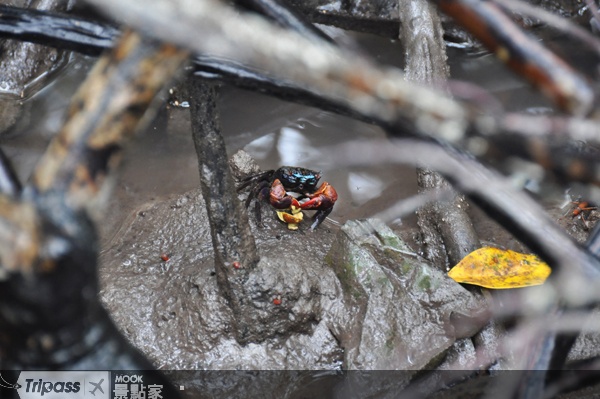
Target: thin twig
{"points": [[410, 205], [555, 127]]}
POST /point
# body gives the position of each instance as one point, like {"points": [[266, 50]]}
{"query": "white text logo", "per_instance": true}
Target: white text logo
{"points": [[64, 385]]}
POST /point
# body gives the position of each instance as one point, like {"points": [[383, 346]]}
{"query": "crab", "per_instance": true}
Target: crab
{"points": [[276, 188]]}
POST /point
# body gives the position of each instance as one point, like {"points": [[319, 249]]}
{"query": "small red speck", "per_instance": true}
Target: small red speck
{"points": [[236, 265], [277, 301], [165, 257]]}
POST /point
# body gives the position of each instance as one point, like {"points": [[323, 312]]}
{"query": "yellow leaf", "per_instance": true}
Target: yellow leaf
{"points": [[496, 268]]}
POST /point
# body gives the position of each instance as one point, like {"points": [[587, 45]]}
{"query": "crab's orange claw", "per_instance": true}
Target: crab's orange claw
{"points": [[323, 198], [322, 201], [279, 198]]}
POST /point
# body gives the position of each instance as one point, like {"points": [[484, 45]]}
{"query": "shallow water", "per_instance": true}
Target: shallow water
{"points": [[162, 160]]}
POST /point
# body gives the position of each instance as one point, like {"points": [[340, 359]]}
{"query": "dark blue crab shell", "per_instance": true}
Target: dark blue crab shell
{"points": [[297, 179]]}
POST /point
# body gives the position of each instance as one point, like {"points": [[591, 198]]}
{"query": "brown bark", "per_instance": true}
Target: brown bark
{"points": [[232, 239]]}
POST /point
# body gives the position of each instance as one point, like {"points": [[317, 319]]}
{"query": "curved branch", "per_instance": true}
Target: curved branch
{"points": [[55, 29], [520, 214], [553, 20]]}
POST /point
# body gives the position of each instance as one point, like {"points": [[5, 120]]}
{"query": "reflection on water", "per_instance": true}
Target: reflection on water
{"points": [[287, 146], [261, 146], [366, 187], [305, 137], [294, 148]]}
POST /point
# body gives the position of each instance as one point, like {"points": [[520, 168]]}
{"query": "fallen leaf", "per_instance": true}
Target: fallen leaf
{"points": [[497, 268]]}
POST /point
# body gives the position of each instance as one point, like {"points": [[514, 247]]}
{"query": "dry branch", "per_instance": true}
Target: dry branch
{"points": [[335, 74], [102, 115], [490, 25]]}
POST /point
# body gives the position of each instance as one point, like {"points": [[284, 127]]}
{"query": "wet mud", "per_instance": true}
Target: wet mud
{"points": [[330, 299], [183, 322]]}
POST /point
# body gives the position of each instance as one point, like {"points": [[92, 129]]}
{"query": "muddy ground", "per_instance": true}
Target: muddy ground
{"points": [[342, 298]]}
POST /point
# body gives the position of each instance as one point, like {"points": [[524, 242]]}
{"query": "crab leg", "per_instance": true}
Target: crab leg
{"points": [[261, 191]]}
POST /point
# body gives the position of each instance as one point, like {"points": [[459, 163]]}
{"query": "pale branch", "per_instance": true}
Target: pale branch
{"points": [[559, 128], [286, 16], [336, 74], [91, 37], [513, 209]]}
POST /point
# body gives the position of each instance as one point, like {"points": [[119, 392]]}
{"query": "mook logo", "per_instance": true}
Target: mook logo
{"points": [[131, 385], [64, 385], [129, 378]]}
